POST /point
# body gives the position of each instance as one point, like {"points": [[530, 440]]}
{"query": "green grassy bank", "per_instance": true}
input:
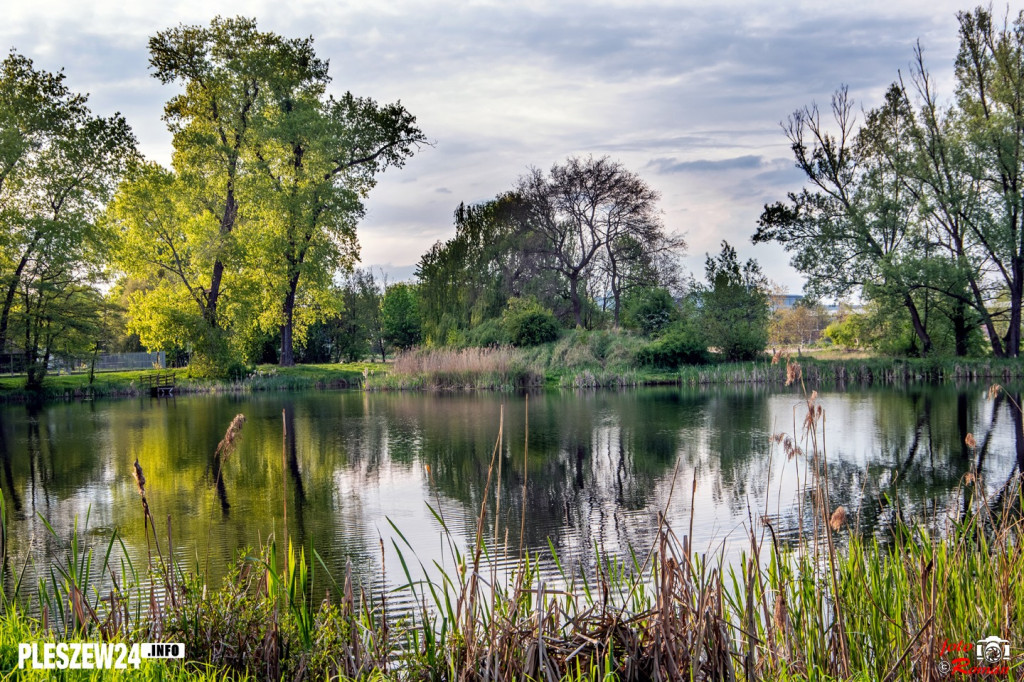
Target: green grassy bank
{"points": [[125, 384], [580, 359], [604, 359]]}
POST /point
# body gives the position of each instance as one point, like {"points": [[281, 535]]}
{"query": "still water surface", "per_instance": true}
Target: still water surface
{"points": [[599, 467]]}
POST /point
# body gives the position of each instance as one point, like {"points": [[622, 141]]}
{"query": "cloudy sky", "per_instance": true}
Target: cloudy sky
{"points": [[688, 94]]}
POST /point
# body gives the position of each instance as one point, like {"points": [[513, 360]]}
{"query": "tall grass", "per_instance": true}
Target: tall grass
{"points": [[837, 606], [455, 369]]}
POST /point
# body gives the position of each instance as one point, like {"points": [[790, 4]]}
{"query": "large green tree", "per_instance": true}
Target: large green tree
{"points": [[734, 305], [922, 207], [226, 69], [315, 159], [58, 164], [244, 236]]}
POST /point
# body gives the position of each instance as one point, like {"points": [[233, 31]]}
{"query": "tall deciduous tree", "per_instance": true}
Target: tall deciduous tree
{"points": [[925, 207], [316, 158], [400, 315], [58, 164], [851, 228], [228, 71], [588, 210]]}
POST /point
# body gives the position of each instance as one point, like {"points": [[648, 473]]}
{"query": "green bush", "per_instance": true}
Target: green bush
{"points": [[528, 323], [682, 344], [848, 332], [649, 310], [487, 333]]}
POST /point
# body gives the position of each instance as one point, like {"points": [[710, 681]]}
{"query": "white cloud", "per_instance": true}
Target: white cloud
{"points": [[499, 86]]}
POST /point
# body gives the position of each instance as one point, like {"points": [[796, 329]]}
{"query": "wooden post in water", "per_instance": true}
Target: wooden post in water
{"points": [[284, 476]]}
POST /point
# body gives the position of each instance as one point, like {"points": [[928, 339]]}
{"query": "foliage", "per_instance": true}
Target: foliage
{"points": [[681, 344], [849, 332], [649, 310], [528, 323], [487, 333], [58, 165], [734, 306], [400, 315], [469, 278]]}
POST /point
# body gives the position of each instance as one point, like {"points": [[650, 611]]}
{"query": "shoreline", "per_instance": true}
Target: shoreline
{"points": [[817, 373]]}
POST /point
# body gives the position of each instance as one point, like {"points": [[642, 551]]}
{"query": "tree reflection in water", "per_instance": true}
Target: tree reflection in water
{"points": [[600, 466]]}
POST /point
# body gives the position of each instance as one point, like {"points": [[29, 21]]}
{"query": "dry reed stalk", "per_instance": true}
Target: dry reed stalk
{"points": [[471, 586], [148, 521], [230, 440]]}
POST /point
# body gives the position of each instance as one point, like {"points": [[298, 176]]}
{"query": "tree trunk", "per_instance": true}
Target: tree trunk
{"points": [[961, 330], [574, 298], [12, 289], [227, 223], [1012, 344], [990, 329], [919, 329], [287, 352]]}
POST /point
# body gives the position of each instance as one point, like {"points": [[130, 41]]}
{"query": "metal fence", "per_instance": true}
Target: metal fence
{"points": [[14, 363]]}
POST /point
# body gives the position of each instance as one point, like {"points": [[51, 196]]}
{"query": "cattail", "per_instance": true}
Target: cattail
{"points": [[228, 442], [781, 610], [993, 391], [838, 519], [140, 478], [777, 356], [970, 442], [793, 372]]}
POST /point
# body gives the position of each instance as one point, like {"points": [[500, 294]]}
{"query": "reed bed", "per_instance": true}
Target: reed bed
{"points": [[457, 369], [837, 606]]}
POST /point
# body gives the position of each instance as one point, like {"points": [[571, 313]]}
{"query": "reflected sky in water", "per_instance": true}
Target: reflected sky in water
{"points": [[599, 467]]}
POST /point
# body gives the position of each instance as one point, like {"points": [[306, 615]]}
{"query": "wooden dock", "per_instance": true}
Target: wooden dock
{"points": [[158, 383]]}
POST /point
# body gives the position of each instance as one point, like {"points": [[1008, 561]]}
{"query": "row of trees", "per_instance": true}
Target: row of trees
{"points": [[578, 240], [920, 209], [239, 240]]}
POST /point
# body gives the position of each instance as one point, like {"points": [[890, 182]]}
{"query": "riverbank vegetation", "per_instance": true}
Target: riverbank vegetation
{"points": [[834, 604], [128, 384], [244, 253]]}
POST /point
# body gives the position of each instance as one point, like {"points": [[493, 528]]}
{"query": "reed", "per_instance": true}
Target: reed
{"points": [[836, 606], [454, 369]]}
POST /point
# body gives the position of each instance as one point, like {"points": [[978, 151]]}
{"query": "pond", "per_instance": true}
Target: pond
{"points": [[343, 466]]}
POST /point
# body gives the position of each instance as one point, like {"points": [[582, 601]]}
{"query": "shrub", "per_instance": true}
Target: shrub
{"points": [[649, 310], [682, 344], [487, 333], [528, 323]]}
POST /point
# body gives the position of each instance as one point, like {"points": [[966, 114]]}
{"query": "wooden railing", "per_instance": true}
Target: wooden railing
{"points": [[158, 383]]}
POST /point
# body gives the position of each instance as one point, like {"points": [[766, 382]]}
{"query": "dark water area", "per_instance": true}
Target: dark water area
{"points": [[599, 468]]}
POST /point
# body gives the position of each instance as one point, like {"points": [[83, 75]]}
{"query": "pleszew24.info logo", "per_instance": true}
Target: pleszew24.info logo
{"points": [[991, 657], [93, 655]]}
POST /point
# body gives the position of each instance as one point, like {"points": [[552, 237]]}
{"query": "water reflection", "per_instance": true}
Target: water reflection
{"points": [[599, 468]]}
